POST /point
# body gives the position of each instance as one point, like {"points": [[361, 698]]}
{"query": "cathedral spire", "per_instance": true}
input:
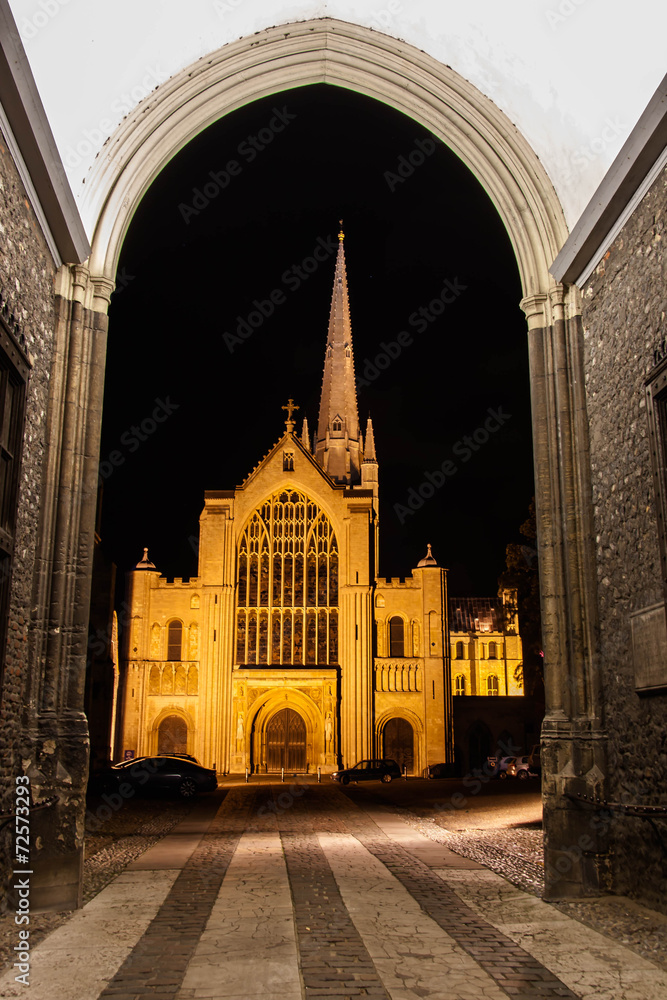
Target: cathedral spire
{"points": [[338, 439]]}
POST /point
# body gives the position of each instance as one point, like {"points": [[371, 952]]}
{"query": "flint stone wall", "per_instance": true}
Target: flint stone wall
{"points": [[27, 272], [625, 304]]}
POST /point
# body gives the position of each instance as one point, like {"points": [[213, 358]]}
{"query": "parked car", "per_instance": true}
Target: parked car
{"points": [[524, 767], [496, 767], [161, 773], [441, 770], [369, 770]]}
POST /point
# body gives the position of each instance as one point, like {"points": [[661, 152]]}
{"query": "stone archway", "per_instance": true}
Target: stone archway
{"points": [[172, 735], [412, 82], [398, 742]]}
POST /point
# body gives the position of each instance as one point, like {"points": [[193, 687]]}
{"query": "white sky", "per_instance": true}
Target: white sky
{"points": [[573, 75]]}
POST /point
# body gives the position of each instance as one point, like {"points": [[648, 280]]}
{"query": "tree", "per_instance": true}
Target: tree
{"points": [[521, 576]]}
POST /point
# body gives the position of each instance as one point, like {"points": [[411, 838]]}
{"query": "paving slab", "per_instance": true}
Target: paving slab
{"points": [[76, 961], [248, 948], [414, 956], [591, 964], [174, 850]]}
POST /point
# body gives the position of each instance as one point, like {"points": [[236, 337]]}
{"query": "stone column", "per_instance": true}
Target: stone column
{"points": [[573, 737], [56, 744]]}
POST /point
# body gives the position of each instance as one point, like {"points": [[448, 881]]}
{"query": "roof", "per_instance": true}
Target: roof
{"points": [[475, 614]]}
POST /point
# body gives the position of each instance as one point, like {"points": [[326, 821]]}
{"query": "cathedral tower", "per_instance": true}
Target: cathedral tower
{"points": [[339, 447]]}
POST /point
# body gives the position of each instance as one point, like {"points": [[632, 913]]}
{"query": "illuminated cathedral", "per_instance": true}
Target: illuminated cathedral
{"points": [[287, 650]]}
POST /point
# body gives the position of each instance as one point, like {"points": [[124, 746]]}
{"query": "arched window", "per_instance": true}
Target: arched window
{"points": [[459, 651], [288, 572], [460, 685], [396, 636], [174, 640], [493, 655], [337, 426], [492, 684]]}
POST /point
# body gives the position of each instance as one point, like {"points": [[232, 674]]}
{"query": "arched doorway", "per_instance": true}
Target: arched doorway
{"points": [[286, 741], [172, 735], [398, 742]]}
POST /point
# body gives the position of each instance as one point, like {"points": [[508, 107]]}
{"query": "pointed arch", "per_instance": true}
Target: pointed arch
{"points": [[344, 55]]}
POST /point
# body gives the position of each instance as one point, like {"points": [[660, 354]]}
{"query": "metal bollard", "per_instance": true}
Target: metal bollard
{"points": [[405, 772], [282, 773], [246, 775], [319, 775]]}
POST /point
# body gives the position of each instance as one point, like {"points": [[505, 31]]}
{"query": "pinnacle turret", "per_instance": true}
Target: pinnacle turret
{"points": [[305, 436], [369, 448]]}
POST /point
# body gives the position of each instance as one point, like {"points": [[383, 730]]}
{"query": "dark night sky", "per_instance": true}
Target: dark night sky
{"points": [[184, 282]]}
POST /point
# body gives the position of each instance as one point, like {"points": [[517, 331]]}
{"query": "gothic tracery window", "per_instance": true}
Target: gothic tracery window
{"points": [[287, 597]]}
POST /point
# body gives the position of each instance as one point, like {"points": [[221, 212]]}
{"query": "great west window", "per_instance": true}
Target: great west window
{"points": [[287, 597]]}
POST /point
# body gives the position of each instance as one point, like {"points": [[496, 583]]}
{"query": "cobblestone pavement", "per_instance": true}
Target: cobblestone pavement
{"points": [[306, 891]]}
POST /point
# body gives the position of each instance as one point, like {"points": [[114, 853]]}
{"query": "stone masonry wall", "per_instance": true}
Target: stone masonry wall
{"points": [[27, 272], [625, 302]]}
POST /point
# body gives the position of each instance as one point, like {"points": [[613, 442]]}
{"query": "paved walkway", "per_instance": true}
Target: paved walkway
{"points": [[304, 891]]}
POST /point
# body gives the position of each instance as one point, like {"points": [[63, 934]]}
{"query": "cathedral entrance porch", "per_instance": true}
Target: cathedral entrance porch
{"points": [[289, 722]]}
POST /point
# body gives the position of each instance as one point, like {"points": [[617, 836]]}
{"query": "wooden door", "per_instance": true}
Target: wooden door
{"points": [[398, 743], [286, 741]]}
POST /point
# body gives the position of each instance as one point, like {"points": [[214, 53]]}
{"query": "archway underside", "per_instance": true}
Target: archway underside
{"points": [[343, 55]]}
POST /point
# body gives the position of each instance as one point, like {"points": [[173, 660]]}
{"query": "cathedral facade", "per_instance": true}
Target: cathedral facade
{"points": [[287, 650]]}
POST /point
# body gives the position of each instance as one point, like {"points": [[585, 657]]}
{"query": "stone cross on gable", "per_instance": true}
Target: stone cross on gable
{"points": [[289, 423]]}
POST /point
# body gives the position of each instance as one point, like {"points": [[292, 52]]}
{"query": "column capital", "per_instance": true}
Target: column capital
{"points": [[534, 306], [93, 291]]}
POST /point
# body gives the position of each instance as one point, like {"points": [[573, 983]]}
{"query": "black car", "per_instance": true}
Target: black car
{"points": [[369, 770], [159, 773]]}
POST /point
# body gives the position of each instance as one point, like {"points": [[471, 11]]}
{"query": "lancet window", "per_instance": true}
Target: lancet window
{"points": [[287, 595]]}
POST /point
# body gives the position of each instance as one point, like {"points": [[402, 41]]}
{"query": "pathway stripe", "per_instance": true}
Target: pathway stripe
{"points": [[248, 948], [413, 955], [157, 964], [518, 973], [591, 964], [335, 964], [76, 960]]}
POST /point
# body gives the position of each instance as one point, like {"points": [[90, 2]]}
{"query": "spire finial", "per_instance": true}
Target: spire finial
{"points": [[429, 559], [291, 407], [341, 234], [144, 562]]}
